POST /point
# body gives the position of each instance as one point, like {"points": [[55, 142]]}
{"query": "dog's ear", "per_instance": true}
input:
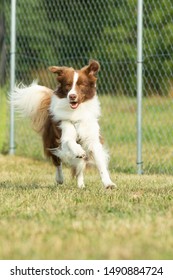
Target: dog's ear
{"points": [[92, 68], [57, 70]]}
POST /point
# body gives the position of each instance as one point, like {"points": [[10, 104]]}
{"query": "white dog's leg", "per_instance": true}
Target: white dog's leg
{"points": [[71, 152], [59, 174], [100, 158], [68, 140]]}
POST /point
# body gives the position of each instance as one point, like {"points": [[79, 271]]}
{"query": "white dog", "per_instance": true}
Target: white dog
{"points": [[67, 120]]}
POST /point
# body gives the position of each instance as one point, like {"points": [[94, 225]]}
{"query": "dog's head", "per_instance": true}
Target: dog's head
{"points": [[76, 85]]}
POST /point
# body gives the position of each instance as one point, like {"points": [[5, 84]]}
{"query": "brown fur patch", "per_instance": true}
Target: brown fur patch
{"points": [[65, 80], [51, 139], [101, 139], [86, 83], [38, 120], [47, 128]]}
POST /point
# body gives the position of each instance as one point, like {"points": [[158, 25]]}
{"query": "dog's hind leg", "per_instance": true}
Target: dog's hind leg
{"points": [[51, 136], [59, 174]]}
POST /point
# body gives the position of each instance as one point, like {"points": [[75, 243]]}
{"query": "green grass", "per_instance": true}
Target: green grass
{"points": [[118, 123], [3, 119], [39, 220]]}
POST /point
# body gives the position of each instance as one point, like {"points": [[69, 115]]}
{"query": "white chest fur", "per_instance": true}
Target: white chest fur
{"points": [[60, 110]]}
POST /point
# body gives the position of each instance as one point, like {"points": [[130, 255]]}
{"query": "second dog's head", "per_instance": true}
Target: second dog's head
{"points": [[76, 85]]}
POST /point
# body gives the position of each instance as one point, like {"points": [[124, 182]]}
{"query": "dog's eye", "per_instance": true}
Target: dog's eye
{"points": [[83, 84], [68, 86]]}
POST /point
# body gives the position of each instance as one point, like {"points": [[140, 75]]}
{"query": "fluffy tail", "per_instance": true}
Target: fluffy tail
{"points": [[33, 102]]}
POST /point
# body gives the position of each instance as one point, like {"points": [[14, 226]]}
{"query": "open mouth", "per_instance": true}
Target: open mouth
{"points": [[74, 104]]}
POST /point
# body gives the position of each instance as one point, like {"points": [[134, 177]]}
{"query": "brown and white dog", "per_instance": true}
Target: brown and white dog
{"points": [[67, 120]]}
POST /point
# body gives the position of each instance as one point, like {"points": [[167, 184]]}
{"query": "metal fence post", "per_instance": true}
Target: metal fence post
{"points": [[12, 73], [139, 85]]}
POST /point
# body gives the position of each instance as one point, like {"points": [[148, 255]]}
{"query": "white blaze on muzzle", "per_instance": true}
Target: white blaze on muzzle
{"points": [[72, 94]]}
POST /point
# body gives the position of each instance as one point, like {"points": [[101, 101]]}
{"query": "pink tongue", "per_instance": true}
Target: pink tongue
{"points": [[74, 106]]}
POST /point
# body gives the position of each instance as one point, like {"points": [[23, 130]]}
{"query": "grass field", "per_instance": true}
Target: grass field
{"points": [[39, 220]]}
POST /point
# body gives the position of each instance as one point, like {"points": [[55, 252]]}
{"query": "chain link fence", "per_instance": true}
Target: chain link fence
{"points": [[158, 86], [71, 32]]}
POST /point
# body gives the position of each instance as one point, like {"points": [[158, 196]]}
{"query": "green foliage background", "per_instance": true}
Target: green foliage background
{"points": [[70, 32]]}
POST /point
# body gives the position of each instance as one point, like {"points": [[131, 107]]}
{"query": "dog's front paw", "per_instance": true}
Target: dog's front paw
{"points": [[111, 186], [80, 153]]}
